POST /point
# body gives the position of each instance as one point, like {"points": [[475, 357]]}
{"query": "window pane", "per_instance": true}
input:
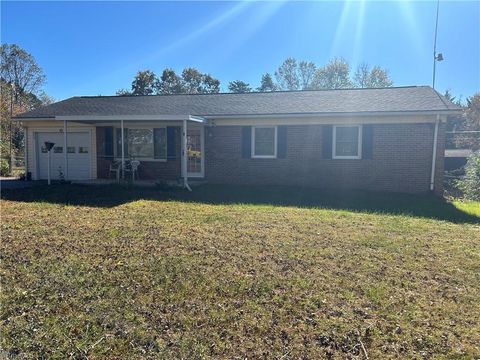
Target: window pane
{"points": [[160, 145], [140, 143], [346, 149], [347, 133], [346, 141], [71, 149], [264, 141], [83, 150], [58, 149]]}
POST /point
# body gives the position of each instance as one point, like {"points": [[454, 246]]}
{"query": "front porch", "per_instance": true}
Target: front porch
{"points": [[168, 149]]}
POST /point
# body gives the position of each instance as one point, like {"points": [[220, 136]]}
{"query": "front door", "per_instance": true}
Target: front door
{"points": [[195, 151]]}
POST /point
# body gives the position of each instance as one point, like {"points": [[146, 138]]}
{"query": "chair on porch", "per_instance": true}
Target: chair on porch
{"points": [[116, 167], [131, 166]]}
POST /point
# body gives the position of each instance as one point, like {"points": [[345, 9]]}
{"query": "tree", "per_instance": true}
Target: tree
{"points": [[470, 183], [45, 99], [239, 86], [287, 75], [267, 83], [12, 134], [210, 84], [471, 123], [465, 125], [145, 83], [361, 78], [191, 81], [195, 82], [334, 75], [449, 96], [19, 68], [306, 74], [380, 78], [170, 83], [20, 80], [371, 78], [293, 75]]}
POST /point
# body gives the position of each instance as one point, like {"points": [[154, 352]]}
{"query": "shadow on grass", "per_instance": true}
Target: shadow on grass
{"points": [[425, 206]]}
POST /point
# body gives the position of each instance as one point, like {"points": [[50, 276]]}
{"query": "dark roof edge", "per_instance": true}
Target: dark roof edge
{"points": [[251, 92]]}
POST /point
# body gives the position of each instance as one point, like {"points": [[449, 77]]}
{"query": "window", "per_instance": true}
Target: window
{"points": [[142, 143], [58, 149], [347, 142], [70, 149], [264, 142], [83, 150]]}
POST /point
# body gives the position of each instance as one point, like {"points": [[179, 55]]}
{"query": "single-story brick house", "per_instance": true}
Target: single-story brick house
{"points": [[385, 139]]}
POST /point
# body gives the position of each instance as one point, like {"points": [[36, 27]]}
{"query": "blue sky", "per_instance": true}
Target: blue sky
{"points": [[92, 48]]}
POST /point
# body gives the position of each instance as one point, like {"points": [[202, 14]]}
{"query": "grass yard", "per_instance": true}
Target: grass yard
{"points": [[232, 272]]}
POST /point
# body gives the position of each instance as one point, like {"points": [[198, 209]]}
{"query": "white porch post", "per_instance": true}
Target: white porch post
{"points": [[25, 136], [49, 164], [65, 150], [185, 156], [123, 150]]}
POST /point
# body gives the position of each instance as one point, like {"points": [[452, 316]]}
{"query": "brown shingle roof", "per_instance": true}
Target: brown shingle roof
{"points": [[394, 99]]}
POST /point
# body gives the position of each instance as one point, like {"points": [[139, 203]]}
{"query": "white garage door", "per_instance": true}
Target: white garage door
{"points": [[78, 152]]}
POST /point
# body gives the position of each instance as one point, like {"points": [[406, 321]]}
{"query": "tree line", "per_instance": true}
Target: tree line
{"points": [[190, 81], [463, 128], [21, 81], [292, 74]]}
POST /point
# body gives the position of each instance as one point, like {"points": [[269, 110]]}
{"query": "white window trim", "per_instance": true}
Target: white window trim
{"points": [[116, 157], [334, 142], [274, 156]]}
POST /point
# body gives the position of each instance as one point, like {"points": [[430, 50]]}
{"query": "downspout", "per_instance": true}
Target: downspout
{"points": [[434, 155], [184, 156]]}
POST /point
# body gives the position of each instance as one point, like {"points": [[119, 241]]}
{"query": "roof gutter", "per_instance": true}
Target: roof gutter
{"points": [[335, 114]]}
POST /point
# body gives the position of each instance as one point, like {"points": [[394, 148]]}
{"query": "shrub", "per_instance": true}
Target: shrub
{"points": [[470, 183], [4, 168]]}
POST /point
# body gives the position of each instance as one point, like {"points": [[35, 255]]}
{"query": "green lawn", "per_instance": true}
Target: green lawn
{"points": [[234, 272]]}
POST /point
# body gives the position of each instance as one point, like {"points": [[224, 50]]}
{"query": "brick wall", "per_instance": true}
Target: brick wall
{"points": [[401, 160]]}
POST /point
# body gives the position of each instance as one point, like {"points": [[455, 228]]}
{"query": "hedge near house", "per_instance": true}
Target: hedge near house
{"points": [[470, 183], [4, 168]]}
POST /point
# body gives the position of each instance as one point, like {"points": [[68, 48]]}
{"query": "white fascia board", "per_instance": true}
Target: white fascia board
{"points": [[130, 118], [333, 114]]}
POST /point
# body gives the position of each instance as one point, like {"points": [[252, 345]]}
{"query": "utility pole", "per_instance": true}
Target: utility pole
{"points": [[436, 57]]}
